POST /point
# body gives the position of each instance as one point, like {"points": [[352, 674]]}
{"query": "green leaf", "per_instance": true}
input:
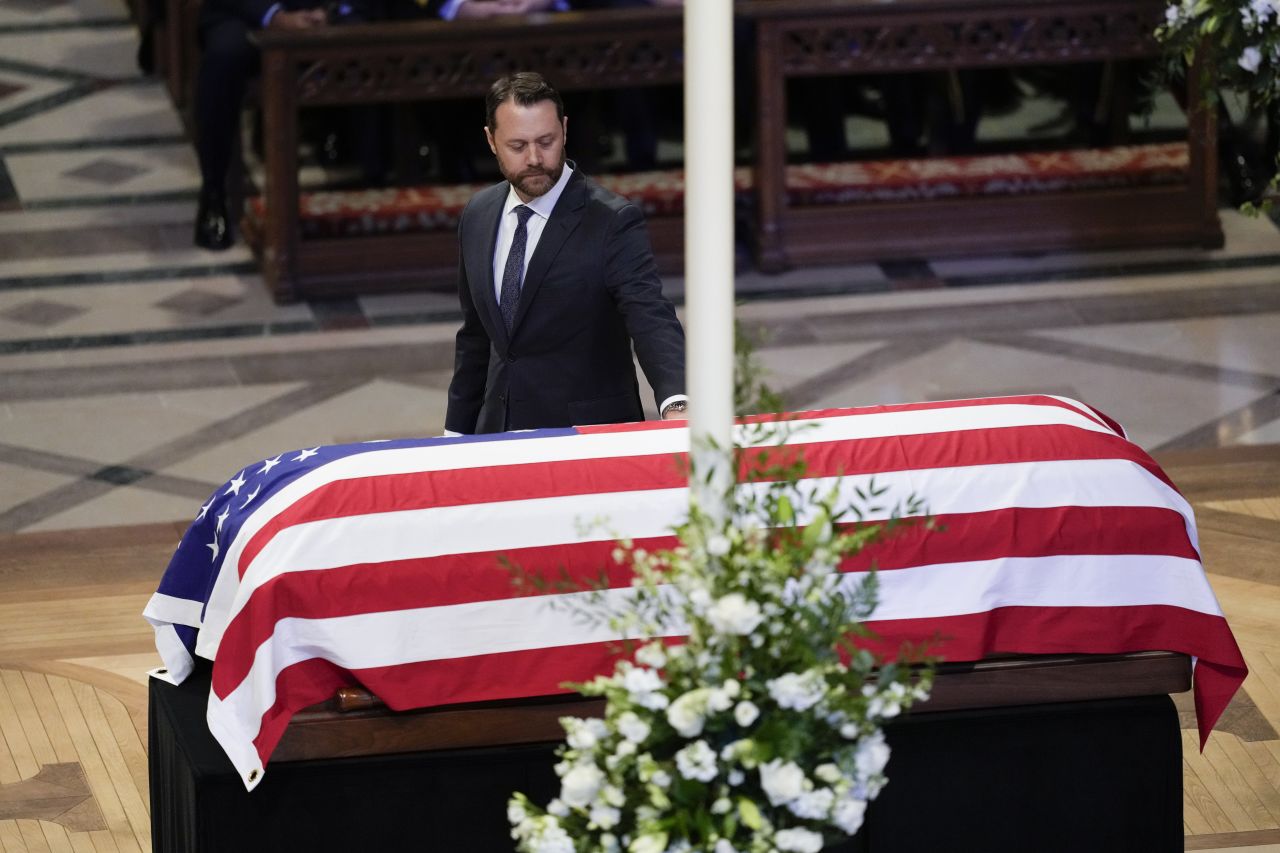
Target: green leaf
{"points": [[786, 512], [750, 814], [658, 797]]}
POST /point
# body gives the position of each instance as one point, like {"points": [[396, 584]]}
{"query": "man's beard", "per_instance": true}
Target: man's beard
{"points": [[536, 182]]}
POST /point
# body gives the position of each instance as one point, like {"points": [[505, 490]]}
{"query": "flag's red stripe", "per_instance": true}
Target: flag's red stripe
{"points": [[305, 683], [1025, 630], [464, 578], [1020, 400], [469, 486]]}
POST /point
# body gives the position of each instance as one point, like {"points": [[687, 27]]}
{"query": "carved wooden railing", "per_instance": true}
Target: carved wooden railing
{"points": [[431, 60], [800, 38]]}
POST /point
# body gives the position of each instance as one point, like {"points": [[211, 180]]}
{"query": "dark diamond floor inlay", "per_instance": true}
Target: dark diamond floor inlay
{"points": [[197, 302], [42, 312], [107, 172]]}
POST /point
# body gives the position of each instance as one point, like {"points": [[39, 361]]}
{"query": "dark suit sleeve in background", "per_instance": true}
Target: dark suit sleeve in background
{"points": [[631, 275]]}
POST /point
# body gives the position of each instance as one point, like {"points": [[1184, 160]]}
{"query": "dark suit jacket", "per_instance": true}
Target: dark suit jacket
{"points": [[591, 289], [251, 12]]}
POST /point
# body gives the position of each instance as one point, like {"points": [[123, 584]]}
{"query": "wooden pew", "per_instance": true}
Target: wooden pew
{"points": [[810, 38], [425, 61]]}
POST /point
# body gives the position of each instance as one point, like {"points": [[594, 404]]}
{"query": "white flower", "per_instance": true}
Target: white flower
{"points": [[649, 844], [639, 679], [886, 704], [544, 835], [849, 731], [723, 846], [722, 806], [631, 727], [605, 817], [1171, 16], [624, 749], [645, 685], [718, 545], [848, 814], [799, 691], [813, 805], [557, 807], [746, 713], [579, 786], [736, 777], [516, 813], [697, 761], [718, 699], [871, 755], [661, 778], [652, 654], [687, 714], [782, 781], [735, 614], [828, 773], [700, 599], [1250, 59], [584, 734], [798, 840]]}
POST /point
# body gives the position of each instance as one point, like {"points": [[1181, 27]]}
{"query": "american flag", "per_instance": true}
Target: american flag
{"points": [[378, 564]]}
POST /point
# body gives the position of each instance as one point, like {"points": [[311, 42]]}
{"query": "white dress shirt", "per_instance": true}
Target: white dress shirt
{"points": [[541, 207]]}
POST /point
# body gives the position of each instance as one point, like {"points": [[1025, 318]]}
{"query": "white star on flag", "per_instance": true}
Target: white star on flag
{"points": [[306, 454], [268, 464], [214, 547], [226, 511], [252, 495], [234, 485], [204, 510]]}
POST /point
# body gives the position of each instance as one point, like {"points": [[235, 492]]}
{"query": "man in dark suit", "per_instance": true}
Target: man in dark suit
{"points": [[228, 61], [557, 281]]}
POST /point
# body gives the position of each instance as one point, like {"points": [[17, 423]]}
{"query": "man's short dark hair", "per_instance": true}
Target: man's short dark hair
{"points": [[526, 88]]}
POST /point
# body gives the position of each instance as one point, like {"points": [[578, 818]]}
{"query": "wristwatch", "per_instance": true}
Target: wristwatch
{"points": [[677, 406]]}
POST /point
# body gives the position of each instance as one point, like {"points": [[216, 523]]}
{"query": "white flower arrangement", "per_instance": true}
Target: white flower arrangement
{"points": [[759, 730]]}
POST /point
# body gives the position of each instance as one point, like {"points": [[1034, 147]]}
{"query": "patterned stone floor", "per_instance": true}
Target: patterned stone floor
{"points": [[137, 373]]}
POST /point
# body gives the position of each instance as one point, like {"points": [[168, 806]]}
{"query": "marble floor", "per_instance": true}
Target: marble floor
{"points": [[137, 373]]}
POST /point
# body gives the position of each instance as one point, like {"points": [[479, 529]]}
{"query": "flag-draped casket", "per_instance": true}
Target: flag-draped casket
{"points": [[387, 563]]}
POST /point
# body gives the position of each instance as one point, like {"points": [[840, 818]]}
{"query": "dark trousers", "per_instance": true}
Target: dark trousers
{"points": [[228, 63]]}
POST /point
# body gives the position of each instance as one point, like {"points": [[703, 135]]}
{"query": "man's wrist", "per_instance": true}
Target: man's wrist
{"points": [[674, 406]]}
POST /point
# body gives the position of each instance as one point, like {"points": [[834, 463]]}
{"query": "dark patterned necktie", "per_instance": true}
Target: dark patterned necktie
{"points": [[514, 270]]}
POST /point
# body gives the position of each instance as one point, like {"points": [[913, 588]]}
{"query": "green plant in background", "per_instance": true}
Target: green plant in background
{"points": [[748, 717], [1237, 46], [1238, 42]]}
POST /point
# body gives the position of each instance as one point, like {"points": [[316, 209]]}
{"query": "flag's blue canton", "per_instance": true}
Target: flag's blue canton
{"points": [[195, 565]]}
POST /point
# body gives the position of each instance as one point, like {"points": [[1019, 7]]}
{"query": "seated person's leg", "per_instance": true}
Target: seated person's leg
{"points": [[227, 64]]}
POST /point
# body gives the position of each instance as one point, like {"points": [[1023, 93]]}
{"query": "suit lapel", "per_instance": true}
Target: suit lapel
{"points": [[479, 263], [563, 220]]}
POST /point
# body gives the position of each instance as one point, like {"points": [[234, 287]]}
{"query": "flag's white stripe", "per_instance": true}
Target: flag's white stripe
{"points": [[390, 638], [461, 455], [177, 660], [1085, 407], [168, 608]]}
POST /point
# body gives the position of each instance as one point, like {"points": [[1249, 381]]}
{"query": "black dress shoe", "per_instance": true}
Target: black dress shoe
{"points": [[212, 228]]}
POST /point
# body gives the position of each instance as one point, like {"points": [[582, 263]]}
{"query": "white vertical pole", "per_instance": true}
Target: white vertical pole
{"points": [[708, 237]]}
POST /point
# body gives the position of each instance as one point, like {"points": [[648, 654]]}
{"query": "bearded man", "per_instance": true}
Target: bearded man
{"points": [[557, 283]]}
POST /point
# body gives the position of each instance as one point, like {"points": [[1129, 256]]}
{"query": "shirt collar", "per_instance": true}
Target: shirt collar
{"points": [[543, 204]]}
